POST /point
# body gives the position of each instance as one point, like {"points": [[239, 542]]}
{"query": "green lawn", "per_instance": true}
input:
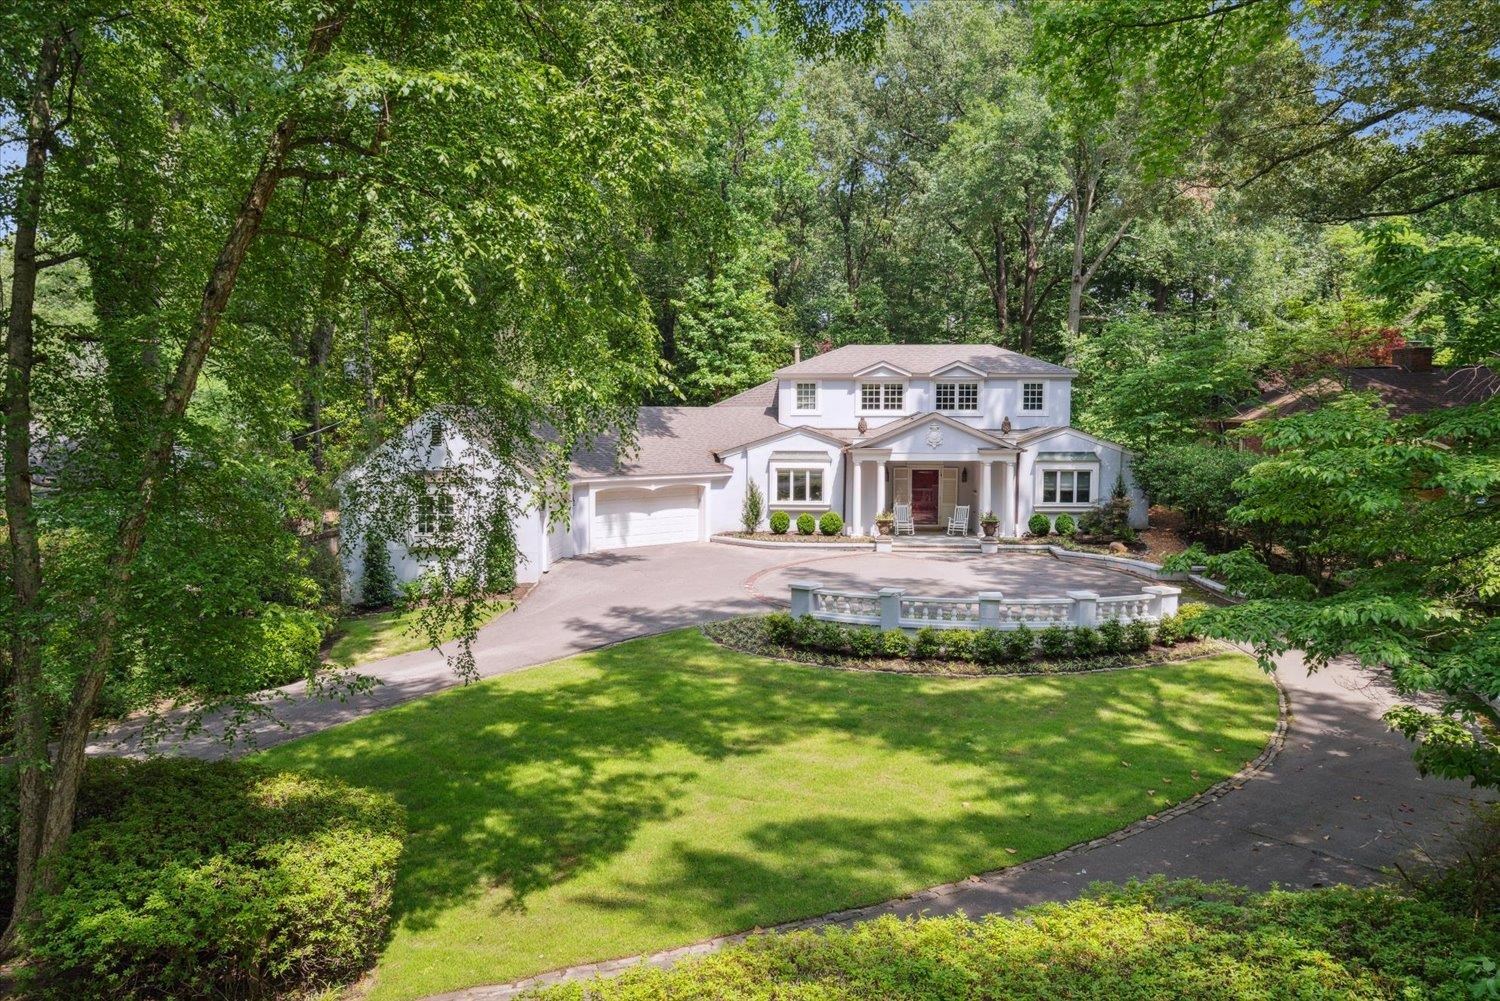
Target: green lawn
{"points": [[360, 639], [666, 790]]}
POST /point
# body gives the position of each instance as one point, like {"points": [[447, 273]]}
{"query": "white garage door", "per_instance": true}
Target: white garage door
{"points": [[626, 518]]}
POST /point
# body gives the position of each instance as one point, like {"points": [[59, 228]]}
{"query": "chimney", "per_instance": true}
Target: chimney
{"points": [[796, 353], [1413, 358]]}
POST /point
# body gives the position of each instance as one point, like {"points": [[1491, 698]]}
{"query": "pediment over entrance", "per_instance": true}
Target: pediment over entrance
{"points": [[935, 436]]}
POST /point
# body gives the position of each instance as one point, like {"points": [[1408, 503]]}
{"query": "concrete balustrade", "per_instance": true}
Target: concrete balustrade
{"points": [[892, 608]]}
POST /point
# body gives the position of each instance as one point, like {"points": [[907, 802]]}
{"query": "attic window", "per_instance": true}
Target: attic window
{"points": [[435, 433]]}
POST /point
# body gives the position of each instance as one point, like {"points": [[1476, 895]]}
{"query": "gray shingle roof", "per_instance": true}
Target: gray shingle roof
{"points": [[923, 359], [762, 397], [675, 440]]}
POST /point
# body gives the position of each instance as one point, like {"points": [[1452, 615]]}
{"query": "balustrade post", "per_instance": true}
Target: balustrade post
{"points": [[1163, 600], [890, 608], [1085, 607], [989, 609], [802, 598]]}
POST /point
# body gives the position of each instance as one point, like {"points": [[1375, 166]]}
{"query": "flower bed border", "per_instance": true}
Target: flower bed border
{"points": [[944, 668]]}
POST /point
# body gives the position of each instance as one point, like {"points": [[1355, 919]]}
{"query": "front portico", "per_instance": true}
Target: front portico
{"points": [[934, 463]]}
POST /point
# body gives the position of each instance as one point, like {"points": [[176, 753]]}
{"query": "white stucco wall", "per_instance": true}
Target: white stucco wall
{"points": [[1111, 459]]}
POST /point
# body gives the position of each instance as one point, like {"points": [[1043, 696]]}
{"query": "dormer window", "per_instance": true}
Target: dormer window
{"points": [[958, 397], [807, 397], [1033, 397], [882, 396]]}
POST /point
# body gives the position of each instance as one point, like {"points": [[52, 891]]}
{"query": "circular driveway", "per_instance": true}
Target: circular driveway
{"points": [[1022, 575]]}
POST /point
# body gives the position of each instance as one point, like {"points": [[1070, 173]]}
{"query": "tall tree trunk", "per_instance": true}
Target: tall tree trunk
{"points": [[1000, 290], [1083, 206], [20, 515], [102, 618]]}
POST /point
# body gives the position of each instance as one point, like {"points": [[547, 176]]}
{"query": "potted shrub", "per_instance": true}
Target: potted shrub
{"points": [[989, 522], [885, 522]]}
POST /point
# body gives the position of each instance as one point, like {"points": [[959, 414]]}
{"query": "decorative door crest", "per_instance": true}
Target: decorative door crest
{"points": [[934, 434]]}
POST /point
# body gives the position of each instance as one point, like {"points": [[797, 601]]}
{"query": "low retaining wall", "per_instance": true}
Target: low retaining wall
{"points": [[892, 608]]}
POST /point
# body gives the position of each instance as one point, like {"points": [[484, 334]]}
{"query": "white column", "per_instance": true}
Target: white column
{"points": [[856, 524], [986, 484], [1007, 510], [880, 504]]}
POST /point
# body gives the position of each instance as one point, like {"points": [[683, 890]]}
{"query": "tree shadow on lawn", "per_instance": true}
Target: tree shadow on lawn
{"points": [[521, 783]]}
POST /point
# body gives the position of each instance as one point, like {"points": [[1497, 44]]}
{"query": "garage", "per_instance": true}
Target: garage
{"points": [[625, 518]]}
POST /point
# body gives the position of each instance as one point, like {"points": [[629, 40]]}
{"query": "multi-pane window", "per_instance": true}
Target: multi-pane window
{"points": [[882, 395], [1033, 396], [958, 396], [807, 396], [435, 513], [794, 485], [1066, 486]]}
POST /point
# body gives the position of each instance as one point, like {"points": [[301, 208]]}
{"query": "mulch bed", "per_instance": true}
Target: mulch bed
{"points": [[747, 634], [792, 536]]}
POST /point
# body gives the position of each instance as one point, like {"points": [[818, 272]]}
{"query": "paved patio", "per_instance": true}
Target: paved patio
{"points": [[1028, 575]]}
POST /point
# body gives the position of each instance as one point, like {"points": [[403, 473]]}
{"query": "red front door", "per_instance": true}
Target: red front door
{"points": [[924, 496]]}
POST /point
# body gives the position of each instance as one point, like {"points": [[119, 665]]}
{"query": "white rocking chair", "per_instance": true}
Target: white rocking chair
{"points": [[904, 523], [958, 523]]}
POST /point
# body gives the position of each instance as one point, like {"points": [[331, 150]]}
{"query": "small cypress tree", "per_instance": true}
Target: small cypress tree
{"points": [[378, 587], [755, 505]]}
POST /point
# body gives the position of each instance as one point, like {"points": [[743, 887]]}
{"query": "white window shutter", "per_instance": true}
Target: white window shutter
{"points": [[947, 493]]}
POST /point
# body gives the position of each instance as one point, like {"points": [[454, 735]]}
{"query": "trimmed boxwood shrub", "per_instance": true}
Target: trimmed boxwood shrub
{"points": [[780, 627], [1169, 630], [1038, 525], [927, 644], [989, 647], [1187, 620], [864, 641], [806, 524], [895, 643], [1064, 525], [831, 523], [1020, 643], [1112, 636], [1054, 642], [780, 522], [1083, 641], [1138, 636], [223, 879], [958, 644]]}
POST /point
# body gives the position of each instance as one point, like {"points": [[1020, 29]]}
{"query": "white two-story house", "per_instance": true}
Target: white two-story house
{"points": [[855, 430]]}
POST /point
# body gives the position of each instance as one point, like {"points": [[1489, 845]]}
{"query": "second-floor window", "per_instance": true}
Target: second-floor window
{"points": [[958, 396], [1034, 396], [807, 396], [882, 396]]}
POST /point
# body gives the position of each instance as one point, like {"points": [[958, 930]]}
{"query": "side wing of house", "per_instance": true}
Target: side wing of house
{"points": [[1067, 471]]}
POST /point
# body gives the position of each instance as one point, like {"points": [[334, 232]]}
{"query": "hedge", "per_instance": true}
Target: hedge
{"points": [[193, 879], [984, 646], [1157, 939]]}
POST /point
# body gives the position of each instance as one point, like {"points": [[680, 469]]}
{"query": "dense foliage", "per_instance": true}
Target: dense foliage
{"points": [[187, 879], [1142, 940], [1386, 547]]}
